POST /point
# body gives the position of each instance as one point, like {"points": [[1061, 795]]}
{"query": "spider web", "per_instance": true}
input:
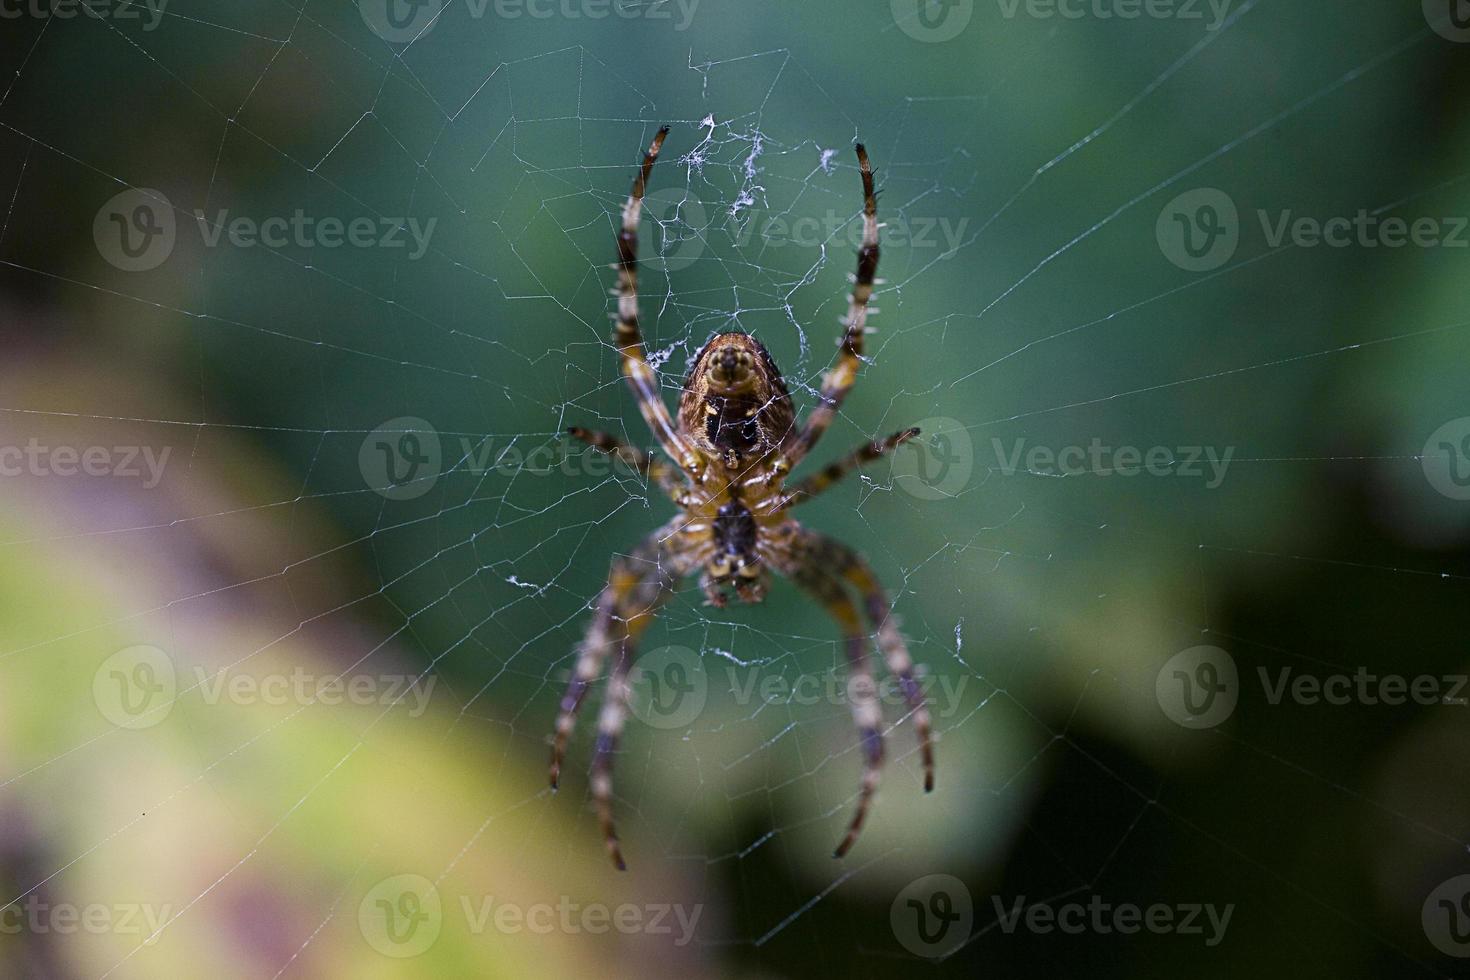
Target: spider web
{"points": [[367, 473]]}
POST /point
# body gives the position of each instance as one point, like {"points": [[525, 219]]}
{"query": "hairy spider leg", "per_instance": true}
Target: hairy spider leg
{"points": [[833, 473], [839, 379], [639, 583], [663, 476], [629, 338], [867, 715], [832, 554]]}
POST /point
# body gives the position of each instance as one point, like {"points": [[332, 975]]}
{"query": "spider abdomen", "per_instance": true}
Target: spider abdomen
{"points": [[735, 531]]}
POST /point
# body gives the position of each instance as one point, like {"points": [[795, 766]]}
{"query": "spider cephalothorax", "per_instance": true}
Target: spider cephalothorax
{"points": [[735, 439], [735, 406]]}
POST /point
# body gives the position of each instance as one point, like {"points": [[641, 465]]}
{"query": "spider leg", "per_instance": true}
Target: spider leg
{"points": [[833, 472], [862, 693], [844, 561], [629, 337], [643, 463], [639, 583], [594, 650], [839, 379]]}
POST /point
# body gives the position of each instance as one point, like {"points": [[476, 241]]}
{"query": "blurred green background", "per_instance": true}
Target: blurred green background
{"points": [[1037, 165]]}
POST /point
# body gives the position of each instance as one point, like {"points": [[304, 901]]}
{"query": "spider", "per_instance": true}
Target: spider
{"points": [[735, 439]]}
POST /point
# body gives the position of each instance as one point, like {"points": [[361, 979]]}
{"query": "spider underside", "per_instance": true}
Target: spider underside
{"points": [[733, 440]]}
